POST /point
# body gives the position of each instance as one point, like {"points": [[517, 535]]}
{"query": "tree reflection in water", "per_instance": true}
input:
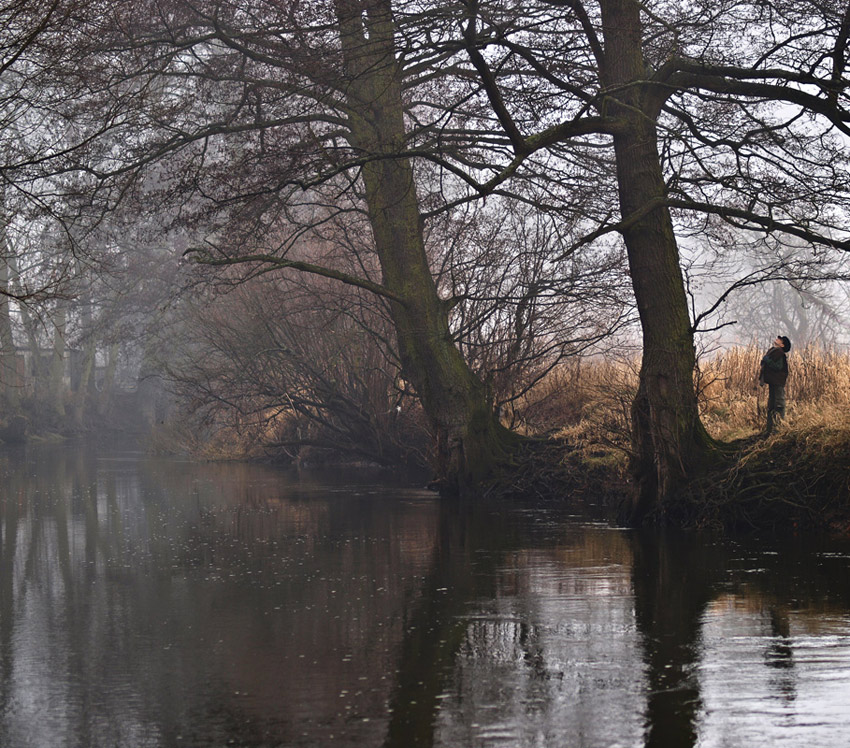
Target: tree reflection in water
{"points": [[156, 602], [675, 577]]}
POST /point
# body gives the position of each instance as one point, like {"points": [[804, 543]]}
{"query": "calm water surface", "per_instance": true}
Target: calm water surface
{"points": [[152, 602]]}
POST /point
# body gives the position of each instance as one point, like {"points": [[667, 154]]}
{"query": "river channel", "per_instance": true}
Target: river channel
{"points": [[158, 602]]}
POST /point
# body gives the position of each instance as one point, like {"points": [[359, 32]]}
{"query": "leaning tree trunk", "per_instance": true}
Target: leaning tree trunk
{"points": [[471, 443], [669, 440]]}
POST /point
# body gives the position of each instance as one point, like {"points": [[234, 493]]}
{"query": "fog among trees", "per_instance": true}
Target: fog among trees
{"points": [[376, 227]]}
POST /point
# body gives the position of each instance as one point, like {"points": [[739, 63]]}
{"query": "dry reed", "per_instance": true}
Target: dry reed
{"points": [[799, 476], [590, 400], [733, 404]]}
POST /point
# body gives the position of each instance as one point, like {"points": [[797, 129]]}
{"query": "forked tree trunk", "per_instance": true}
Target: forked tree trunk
{"points": [[669, 439], [470, 442]]}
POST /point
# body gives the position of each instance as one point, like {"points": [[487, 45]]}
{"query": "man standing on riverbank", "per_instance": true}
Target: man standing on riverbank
{"points": [[774, 373]]}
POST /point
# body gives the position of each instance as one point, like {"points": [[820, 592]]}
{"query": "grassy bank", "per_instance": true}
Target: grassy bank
{"points": [[798, 477], [733, 405]]}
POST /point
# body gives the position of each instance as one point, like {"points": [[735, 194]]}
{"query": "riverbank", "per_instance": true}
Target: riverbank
{"points": [[797, 478], [578, 423]]}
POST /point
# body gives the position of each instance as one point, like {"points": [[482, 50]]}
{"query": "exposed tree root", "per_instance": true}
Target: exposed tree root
{"points": [[555, 470], [796, 479], [799, 478]]}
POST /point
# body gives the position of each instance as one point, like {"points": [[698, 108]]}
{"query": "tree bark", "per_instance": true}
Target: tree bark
{"points": [[669, 439], [471, 443]]}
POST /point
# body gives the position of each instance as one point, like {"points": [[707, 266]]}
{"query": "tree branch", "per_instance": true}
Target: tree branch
{"points": [[204, 256]]}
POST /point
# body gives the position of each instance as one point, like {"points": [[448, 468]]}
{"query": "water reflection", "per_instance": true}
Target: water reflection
{"points": [[674, 580], [156, 602]]}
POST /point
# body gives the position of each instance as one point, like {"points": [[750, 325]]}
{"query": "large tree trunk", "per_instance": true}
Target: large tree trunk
{"points": [[670, 441], [470, 441]]}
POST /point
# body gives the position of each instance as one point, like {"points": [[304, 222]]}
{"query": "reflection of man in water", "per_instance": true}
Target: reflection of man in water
{"points": [[774, 373], [780, 654]]}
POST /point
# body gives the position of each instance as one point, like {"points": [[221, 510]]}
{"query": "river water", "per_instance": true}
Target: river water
{"points": [[157, 602]]}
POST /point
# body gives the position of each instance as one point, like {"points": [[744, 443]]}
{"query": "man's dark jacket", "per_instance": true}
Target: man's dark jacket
{"points": [[774, 367]]}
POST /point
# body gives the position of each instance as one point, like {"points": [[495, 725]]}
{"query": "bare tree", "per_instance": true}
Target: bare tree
{"points": [[263, 122], [696, 124], [621, 118], [294, 366], [37, 193], [750, 287]]}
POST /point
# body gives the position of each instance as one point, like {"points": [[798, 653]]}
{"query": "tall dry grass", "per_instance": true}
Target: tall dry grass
{"points": [[588, 402], [733, 405]]}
